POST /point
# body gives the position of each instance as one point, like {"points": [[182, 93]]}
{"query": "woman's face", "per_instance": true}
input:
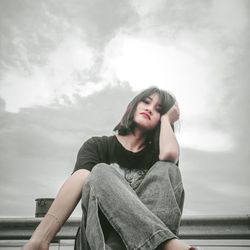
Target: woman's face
{"points": [[147, 114]]}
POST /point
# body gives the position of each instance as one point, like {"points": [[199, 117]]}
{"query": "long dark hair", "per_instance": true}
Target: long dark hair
{"points": [[126, 125]]}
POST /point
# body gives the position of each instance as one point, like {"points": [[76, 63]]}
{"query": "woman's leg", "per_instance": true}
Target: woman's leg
{"points": [[162, 192], [138, 227], [63, 205]]}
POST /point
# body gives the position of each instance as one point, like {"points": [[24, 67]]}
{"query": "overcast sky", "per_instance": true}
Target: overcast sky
{"points": [[69, 68]]}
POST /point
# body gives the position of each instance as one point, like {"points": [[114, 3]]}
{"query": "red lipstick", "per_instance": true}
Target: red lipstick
{"points": [[146, 114]]}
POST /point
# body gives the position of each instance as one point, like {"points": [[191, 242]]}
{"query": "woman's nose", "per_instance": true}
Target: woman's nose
{"points": [[149, 110]]}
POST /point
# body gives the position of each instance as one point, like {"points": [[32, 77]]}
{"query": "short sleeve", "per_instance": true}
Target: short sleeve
{"points": [[88, 155]]}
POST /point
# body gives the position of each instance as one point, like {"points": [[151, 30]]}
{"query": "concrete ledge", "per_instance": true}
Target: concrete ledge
{"points": [[215, 227], [192, 227], [22, 228]]}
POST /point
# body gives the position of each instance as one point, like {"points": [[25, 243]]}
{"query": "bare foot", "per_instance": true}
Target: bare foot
{"points": [[175, 244]]}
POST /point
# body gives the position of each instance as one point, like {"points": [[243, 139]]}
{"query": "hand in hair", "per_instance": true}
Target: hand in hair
{"points": [[173, 114]]}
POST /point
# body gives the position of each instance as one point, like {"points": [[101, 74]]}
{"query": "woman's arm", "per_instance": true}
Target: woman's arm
{"points": [[63, 205], [169, 147]]}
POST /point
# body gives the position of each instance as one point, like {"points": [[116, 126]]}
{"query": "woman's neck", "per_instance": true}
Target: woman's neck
{"points": [[133, 142]]}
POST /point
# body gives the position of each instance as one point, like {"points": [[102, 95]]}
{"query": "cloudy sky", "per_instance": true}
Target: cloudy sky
{"points": [[68, 69]]}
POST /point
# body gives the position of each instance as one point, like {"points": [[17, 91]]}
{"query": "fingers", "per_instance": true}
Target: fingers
{"points": [[177, 108], [173, 113]]}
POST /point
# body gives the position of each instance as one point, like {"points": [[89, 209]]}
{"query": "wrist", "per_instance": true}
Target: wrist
{"points": [[47, 229], [41, 238], [36, 244], [165, 118], [39, 241]]}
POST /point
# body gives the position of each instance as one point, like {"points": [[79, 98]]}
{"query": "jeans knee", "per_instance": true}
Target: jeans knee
{"points": [[101, 173], [99, 170], [162, 167], [165, 169], [165, 164]]}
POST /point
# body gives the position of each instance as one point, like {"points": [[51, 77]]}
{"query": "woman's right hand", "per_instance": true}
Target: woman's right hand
{"points": [[173, 113], [36, 245]]}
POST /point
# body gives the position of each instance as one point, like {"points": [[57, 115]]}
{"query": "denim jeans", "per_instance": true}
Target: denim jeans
{"points": [[142, 213]]}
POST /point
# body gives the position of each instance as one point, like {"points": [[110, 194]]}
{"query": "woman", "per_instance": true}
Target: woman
{"points": [[132, 193]]}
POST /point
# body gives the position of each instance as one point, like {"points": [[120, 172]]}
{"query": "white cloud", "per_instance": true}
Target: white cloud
{"points": [[144, 7], [62, 75], [205, 139], [143, 63], [91, 87], [231, 18]]}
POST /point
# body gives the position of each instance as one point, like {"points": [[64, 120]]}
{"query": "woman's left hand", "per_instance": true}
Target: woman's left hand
{"points": [[36, 245], [173, 114]]}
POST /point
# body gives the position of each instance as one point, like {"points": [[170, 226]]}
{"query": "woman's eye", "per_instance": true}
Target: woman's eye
{"points": [[145, 101]]}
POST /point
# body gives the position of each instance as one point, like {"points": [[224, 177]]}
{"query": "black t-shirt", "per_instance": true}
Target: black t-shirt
{"points": [[107, 149]]}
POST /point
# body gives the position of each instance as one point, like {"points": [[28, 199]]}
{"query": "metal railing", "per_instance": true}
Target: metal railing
{"points": [[197, 228]]}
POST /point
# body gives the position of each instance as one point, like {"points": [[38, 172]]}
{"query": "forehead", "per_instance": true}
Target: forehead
{"points": [[155, 97]]}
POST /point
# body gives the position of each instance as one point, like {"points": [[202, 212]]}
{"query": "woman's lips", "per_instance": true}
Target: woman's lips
{"points": [[145, 114]]}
